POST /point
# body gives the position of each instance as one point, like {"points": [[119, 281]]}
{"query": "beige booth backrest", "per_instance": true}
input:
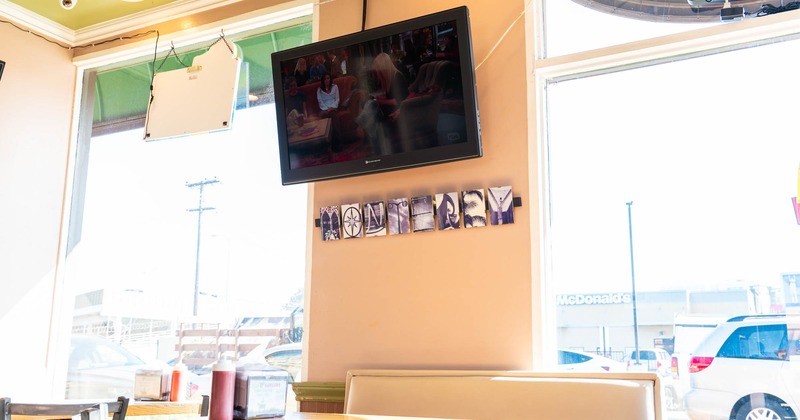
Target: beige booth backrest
{"points": [[503, 395]]}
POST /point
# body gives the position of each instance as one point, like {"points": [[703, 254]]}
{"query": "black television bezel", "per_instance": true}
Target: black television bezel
{"points": [[471, 148]]}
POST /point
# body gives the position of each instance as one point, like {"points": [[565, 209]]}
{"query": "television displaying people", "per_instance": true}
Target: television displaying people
{"points": [[300, 73], [295, 104], [410, 59], [328, 100], [388, 88], [383, 96], [391, 86], [327, 96], [317, 70], [427, 49], [333, 64], [448, 49]]}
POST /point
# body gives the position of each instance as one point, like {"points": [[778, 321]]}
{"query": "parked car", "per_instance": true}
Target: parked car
{"points": [[578, 361], [99, 368], [747, 368], [285, 356], [658, 361], [651, 360], [688, 331]]}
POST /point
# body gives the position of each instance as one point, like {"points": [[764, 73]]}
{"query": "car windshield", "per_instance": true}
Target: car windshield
{"points": [[289, 360], [86, 353], [644, 355], [568, 357]]}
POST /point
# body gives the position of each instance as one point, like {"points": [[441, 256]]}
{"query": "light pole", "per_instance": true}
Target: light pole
{"points": [[633, 286], [200, 209], [227, 269]]}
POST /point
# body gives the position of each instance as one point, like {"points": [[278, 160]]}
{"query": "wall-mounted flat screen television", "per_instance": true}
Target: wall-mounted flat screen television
{"points": [[393, 97]]}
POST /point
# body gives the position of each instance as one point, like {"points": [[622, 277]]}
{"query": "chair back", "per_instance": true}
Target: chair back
{"points": [[154, 409], [86, 410], [101, 410]]}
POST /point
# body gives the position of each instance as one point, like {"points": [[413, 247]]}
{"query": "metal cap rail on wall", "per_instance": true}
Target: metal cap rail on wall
{"points": [[419, 214]]}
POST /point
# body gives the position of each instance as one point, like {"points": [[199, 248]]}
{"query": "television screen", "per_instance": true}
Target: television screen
{"points": [[387, 98]]}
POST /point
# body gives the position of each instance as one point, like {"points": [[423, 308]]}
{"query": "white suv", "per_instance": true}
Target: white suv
{"points": [[748, 368], [658, 361], [651, 360]]}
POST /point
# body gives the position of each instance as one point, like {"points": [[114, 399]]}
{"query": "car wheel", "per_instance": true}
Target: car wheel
{"points": [[671, 398], [765, 409]]}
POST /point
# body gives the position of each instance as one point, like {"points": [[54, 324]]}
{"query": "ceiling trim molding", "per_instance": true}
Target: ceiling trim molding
{"points": [[109, 29], [36, 23], [283, 13], [170, 11]]}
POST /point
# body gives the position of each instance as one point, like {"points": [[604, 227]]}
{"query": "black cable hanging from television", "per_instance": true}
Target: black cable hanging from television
{"points": [[364, 16]]}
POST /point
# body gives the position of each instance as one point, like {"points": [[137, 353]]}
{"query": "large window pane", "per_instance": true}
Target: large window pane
{"points": [[181, 234], [575, 26], [694, 164]]}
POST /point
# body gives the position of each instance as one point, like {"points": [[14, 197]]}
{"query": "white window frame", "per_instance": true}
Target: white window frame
{"points": [[267, 19], [544, 70]]}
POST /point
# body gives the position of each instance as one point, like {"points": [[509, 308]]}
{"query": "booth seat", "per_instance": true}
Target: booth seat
{"points": [[507, 395]]}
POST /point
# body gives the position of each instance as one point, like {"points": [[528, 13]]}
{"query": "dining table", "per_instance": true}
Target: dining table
{"points": [[332, 416]]}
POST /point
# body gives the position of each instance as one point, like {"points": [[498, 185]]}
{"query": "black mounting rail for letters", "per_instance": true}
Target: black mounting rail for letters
{"points": [[517, 203]]}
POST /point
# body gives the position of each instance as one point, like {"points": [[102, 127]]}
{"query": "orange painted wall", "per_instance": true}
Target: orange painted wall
{"points": [[455, 299], [452, 299]]}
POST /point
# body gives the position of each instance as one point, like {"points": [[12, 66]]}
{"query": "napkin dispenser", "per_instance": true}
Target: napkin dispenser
{"points": [[260, 392]]}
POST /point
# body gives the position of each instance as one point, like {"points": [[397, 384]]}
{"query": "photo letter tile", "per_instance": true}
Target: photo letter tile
{"points": [[473, 204], [375, 219], [352, 222], [447, 211], [330, 222], [398, 211], [501, 206], [422, 213]]}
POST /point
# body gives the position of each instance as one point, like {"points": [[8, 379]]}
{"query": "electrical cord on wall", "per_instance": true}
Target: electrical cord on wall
{"points": [[491, 50], [364, 16], [93, 44], [508, 29]]}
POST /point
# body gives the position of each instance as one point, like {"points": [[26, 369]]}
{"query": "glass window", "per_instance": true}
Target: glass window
{"points": [[756, 342], [670, 186], [87, 352], [712, 224], [568, 357], [579, 25], [793, 344], [644, 355], [290, 360], [183, 242]]}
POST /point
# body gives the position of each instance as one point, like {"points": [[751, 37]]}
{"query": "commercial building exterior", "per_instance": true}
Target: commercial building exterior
{"points": [[603, 322]]}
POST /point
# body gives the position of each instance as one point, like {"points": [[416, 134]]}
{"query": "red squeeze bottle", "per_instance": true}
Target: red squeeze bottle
{"points": [[223, 380], [177, 390]]}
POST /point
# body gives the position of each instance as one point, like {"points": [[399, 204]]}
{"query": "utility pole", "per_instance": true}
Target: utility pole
{"points": [[633, 286], [200, 209]]}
